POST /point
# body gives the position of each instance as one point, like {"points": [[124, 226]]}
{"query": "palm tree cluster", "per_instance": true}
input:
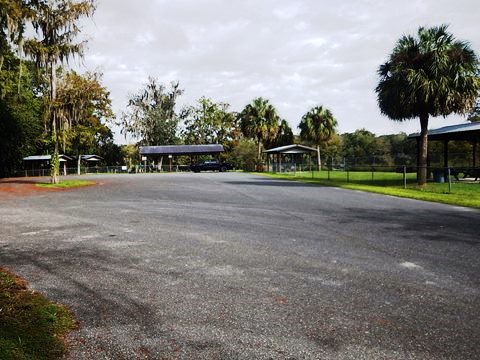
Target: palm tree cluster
{"points": [[260, 121]]}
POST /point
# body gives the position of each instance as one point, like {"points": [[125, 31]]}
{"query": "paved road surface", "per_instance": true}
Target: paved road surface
{"points": [[236, 266]]}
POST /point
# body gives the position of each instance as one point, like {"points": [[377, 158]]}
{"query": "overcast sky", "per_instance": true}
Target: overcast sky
{"points": [[298, 54]]}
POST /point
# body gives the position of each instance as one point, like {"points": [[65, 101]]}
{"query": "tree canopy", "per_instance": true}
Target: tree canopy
{"points": [[208, 123], [21, 124], [56, 26], [259, 120], [13, 14], [474, 115], [317, 126], [84, 107], [151, 115]]}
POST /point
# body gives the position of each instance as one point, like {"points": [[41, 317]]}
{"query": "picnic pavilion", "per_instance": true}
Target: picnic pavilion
{"points": [[466, 132], [39, 165], [171, 151], [289, 157]]}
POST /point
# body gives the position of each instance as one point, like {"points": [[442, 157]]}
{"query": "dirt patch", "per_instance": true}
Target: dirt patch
{"points": [[14, 187]]}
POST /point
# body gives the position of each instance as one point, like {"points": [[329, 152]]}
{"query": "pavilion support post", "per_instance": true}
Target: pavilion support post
{"points": [[418, 158], [445, 159], [445, 153], [474, 157], [429, 172]]}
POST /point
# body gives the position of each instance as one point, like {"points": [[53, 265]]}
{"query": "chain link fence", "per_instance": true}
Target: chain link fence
{"points": [[379, 175], [104, 170]]}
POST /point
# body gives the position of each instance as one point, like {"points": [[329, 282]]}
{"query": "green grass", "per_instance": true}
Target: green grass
{"points": [[66, 184], [31, 326], [390, 183]]}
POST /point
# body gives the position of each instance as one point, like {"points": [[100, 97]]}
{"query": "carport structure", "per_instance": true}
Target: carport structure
{"points": [[158, 152], [294, 151], [463, 132]]}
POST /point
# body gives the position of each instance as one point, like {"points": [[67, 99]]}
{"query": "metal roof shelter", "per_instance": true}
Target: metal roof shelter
{"points": [[465, 132], [39, 163], [91, 158], [178, 150], [62, 158], [293, 150], [171, 151]]}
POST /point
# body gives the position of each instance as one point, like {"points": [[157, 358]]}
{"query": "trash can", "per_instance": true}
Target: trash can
{"points": [[439, 175]]}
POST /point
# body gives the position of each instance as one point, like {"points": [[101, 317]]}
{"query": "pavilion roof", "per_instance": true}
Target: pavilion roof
{"points": [[291, 149], [46, 158], [466, 131], [181, 149]]}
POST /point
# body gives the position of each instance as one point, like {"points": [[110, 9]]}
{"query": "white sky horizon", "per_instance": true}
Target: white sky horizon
{"points": [[298, 54]]}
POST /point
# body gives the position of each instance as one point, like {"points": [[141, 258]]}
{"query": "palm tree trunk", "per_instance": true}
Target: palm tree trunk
{"points": [[319, 158], [259, 154], [423, 150], [79, 162]]}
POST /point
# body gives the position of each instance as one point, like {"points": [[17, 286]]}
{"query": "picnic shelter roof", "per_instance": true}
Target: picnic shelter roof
{"points": [[466, 131], [291, 149], [91, 158], [182, 149], [62, 158]]}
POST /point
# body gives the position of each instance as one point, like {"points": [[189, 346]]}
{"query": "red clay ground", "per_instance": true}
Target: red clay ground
{"points": [[25, 186]]}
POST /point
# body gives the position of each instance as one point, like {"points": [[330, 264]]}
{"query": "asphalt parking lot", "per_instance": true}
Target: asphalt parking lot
{"points": [[237, 266]]}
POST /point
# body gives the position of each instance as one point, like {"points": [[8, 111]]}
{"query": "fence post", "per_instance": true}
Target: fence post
{"points": [[404, 176]]}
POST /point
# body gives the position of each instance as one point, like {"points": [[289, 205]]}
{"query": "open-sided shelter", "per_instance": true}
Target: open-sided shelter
{"points": [[158, 152], [39, 165], [91, 158], [466, 132], [295, 153]]}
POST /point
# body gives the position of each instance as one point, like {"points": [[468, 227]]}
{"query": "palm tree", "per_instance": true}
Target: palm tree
{"points": [[259, 120], [56, 22], [317, 125], [432, 74]]}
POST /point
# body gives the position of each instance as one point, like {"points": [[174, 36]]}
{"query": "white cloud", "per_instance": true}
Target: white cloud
{"points": [[296, 53]]}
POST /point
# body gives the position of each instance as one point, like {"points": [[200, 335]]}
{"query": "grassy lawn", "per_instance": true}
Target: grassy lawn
{"points": [[31, 327], [389, 183], [65, 184]]}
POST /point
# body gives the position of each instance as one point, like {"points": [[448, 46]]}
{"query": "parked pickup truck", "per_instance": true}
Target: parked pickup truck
{"points": [[211, 165]]}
